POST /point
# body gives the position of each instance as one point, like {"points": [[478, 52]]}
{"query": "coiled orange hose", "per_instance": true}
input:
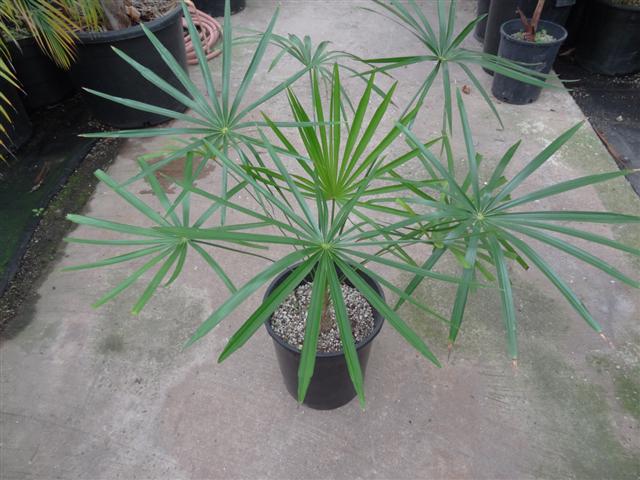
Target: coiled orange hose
{"points": [[210, 32]]}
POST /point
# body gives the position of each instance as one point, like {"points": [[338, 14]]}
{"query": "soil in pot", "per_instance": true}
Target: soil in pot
{"points": [[330, 385], [538, 56], [290, 319]]}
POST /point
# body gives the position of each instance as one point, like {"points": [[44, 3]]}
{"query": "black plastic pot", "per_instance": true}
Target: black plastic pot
{"points": [[43, 82], [18, 130], [538, 56], [215, 8], [610, 39], [483, 7], [500, 11], [330, 385], [99, 68]]}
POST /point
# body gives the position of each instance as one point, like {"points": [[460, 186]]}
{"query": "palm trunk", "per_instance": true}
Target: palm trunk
{"points": [[115, 13]]}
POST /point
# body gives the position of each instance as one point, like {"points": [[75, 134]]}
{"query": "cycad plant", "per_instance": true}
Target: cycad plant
{"points": [[487, 227]]}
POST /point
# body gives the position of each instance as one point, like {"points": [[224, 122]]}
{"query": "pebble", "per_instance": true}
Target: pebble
{"points": [[290, 318]]}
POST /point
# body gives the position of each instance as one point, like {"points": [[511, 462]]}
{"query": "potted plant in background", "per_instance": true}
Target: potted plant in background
{"points": [[37, 41], [100, 65], [532, 42], [329, 224]]}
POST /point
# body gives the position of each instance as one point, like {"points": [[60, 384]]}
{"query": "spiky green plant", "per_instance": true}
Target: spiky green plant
{"points": [[487, 227], [444, 51], [315, 214], [223, 120]]}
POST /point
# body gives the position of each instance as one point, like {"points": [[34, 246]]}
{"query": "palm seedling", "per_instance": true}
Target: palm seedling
{"points": [[486, 225]]}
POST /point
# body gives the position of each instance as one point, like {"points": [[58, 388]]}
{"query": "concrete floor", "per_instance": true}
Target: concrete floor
{"points": [[95, 394]]}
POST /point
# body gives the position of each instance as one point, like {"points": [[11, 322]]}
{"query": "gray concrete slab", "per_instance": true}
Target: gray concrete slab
{"points": [[95, 394]]}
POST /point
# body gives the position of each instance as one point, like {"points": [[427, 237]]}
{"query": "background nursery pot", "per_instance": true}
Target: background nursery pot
{"points": [[538, 56], [330, 386], [610, 38], [43, 82], [215, 8], [100, 68]]}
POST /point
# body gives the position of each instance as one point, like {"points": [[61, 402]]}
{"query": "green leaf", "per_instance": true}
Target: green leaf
{"points": [[312, 329], [245, 291], [155, 282], [379, 304], [462, 292], [536, 163], [117, 259], [268, 306], [544, 267], [506, 295], [346, 336], [132, 278]]}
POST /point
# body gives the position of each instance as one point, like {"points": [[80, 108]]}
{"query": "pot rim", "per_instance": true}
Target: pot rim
{"points": [[541, 24], [377, 326], [129, 32]]}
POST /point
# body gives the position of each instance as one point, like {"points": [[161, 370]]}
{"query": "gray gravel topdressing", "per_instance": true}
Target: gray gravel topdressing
{"points": [[290, 318]]}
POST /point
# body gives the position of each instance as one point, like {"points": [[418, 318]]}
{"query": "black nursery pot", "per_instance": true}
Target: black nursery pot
{"points": [[501, 11], [42, 81], [538, 56], [215, 8], [483, 7], [330, 385], [99, 68], [609, 40]]}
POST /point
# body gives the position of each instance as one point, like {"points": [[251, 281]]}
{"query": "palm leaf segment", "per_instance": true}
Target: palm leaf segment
{"points": [[483, 225], [444, 50]]}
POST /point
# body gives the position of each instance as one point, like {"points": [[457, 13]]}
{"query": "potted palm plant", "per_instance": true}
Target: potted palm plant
{"points": [[330, 223]]}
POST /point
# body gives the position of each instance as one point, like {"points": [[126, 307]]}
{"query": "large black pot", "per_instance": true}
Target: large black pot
{"points": [[330, 385], [610, 39], [483, 7], [42, 81], [539, 56], [17, 131], [99, 68], [500, 11], [215, 8]]}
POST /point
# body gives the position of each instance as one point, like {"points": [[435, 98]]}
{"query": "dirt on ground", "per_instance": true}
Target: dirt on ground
{"points": [[46, 241]]}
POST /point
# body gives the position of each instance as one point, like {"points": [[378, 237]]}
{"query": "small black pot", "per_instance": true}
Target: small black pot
{"points": [[18, 130], [215, 8], [538, 56], [609, 40], [330, 385], [500, 11], [43, 82], [99, 68], [483, 7]]}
